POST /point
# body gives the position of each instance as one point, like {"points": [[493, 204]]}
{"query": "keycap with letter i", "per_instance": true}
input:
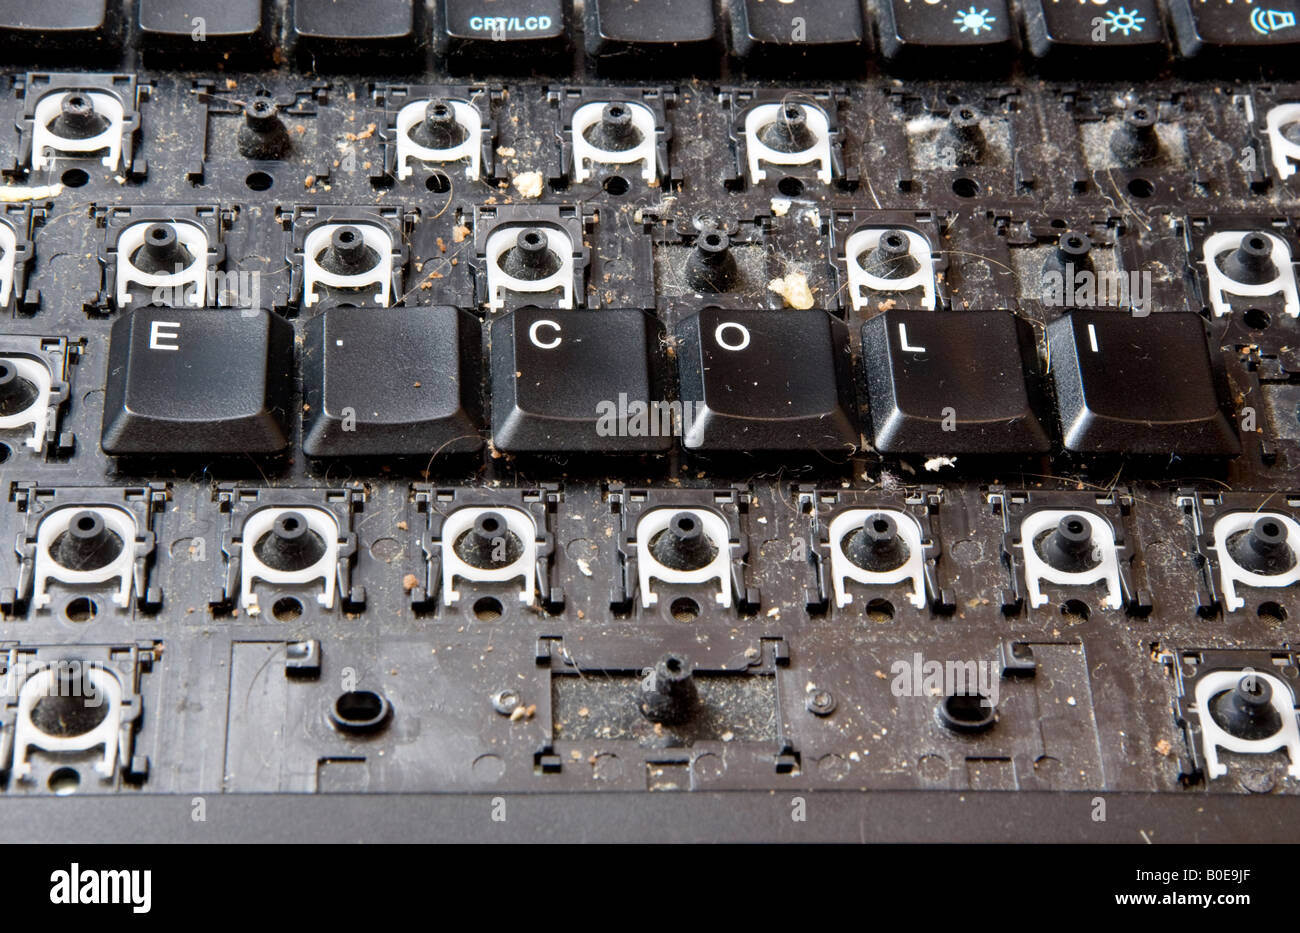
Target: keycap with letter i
{"points": [[766, 380], [577, 382], [952, 382], [1139, 385], [945, 35], [198, 382]]}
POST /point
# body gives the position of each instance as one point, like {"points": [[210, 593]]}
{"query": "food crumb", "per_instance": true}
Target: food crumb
{"points": [[528, 184], [794, 289]]}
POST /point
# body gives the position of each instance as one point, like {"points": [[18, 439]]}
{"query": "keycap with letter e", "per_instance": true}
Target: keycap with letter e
{"points": [[198, 382], [766, 380], [577, 382], [952, 382], [1138, 385]]}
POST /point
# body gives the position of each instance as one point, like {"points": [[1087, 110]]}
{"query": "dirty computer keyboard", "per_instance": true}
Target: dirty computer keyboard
{"points": [[515, 398]]}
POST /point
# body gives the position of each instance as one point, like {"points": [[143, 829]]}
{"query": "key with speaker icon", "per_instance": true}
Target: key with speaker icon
{"points": [[1222, 31]]}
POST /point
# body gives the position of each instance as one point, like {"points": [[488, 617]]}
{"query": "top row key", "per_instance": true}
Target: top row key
{"points": [[663, 38]]}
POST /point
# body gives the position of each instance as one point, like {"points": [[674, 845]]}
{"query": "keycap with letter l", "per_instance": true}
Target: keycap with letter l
{"points": [[495, 35], [1118, 35], [952, 382], [198, 382], [766, 380], [1248, 34], [1138, 385], [392, 382], [814, 36], [577, 382], [945, 36]]}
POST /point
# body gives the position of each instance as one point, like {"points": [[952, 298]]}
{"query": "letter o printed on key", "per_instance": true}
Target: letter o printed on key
{"points": [[719, 336]]}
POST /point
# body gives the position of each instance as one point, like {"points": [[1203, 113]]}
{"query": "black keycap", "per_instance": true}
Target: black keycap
{"points": [[198, 382], [89, 28], [395, 382], [203, 28], [494, 36], [1234, 31], [947, 35], [631, 36], [1115, 36], [1141, 385], [952, 382], [766, 380], [815, 36], [578, 381], [337, 32]]}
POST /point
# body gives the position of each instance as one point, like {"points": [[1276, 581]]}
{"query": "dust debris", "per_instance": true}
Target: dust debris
{"points": [[364, 134]]}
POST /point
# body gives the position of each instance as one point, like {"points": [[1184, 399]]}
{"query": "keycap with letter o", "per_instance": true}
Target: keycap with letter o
{"points": [[766, 380]]}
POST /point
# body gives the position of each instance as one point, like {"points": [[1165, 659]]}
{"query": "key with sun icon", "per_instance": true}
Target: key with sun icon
{"points": [[947, 34], [1121, 36]]}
